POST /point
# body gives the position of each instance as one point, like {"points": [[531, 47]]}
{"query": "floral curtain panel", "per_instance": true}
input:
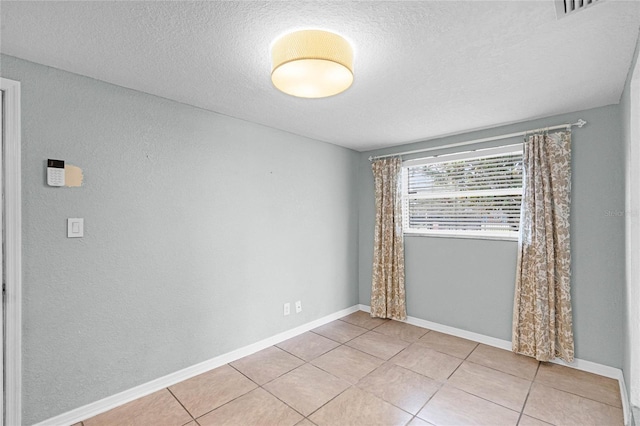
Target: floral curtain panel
{"points": [[542, 319], [387, 289]]}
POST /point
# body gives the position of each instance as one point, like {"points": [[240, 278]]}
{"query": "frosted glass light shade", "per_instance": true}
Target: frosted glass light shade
{"points": [[312, 64]]}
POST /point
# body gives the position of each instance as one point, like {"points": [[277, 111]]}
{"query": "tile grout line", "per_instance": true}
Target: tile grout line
{"points": [[499, 371], [181, 404], [410, 420], [548, 385], [309, 361], [294, 355], [228, 402], [231, 400], [330, 373], [277, 377], [320, 407], [431, 397], [528, 393], [284, 402], [485, 399], [384, 400], [480, 397], [463, 360]]}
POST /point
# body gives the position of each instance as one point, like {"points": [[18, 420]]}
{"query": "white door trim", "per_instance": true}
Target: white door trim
{"points": [[632, 224], [13, 251]]}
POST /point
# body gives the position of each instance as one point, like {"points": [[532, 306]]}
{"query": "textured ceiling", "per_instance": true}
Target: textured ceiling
{"points": [[422, 69]]}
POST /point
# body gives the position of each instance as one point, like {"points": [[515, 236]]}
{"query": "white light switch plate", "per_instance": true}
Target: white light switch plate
{"points": [[75, 227]]}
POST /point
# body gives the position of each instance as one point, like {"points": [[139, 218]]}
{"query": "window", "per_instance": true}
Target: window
{"points": [[469, 194]]}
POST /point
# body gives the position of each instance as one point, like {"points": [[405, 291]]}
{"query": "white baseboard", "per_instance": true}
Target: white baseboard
{"points": [[106, 404], [578, 364]]}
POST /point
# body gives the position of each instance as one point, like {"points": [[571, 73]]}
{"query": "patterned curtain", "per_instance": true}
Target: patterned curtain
{"points": [[387, 289], [542, 321]]}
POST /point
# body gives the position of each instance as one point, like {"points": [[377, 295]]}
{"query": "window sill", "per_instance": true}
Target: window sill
{"points": [[467, 237]]}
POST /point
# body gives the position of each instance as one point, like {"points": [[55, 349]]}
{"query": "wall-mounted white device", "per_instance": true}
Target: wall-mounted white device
{"points": [[55, 172], [75, 227]]}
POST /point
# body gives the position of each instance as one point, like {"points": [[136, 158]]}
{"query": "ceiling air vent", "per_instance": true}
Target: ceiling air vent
{"points": [[569, 7]]}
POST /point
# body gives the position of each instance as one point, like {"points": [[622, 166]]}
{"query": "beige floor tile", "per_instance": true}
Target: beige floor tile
{"points": [[427, 362], [356, 407], [402, 330], [378, 345], [401, 387], [451, 406], [417, 421], [308, 345], [563, 408], [530, 421], [305, 422], [340, 331], [209, 390], [306, 388], [363, 319], [505, 361], [347, 363], [447, 344], [592, 386], [266, 365], [160, 408], [257, 407], [490, 384]]}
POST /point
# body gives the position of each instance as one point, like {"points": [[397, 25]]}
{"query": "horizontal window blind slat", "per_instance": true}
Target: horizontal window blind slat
{"points": [[492, 193], [461, 185], [471, 168], [507, 164], [452, 162], [476, 195], [496, 159]]}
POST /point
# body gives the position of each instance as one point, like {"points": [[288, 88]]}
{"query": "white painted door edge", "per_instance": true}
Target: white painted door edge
{"points": [[13, 251], [578, 364], [106, 404], [632, 242]]}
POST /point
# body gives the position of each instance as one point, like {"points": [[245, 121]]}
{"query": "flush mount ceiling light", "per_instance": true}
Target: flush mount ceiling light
{"points": [[312, 64]]}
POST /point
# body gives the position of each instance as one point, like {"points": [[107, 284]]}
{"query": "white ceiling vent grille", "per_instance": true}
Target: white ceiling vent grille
{"points": [[569, 7]]}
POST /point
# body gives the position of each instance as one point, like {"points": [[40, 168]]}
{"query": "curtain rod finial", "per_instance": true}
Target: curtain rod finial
{"points": [[581, 122]]}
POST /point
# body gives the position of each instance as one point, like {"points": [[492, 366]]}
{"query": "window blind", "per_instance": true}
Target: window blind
{"points": [[466, 194]]}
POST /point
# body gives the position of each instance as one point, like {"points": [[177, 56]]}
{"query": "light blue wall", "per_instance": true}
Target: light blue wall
{"points": [[468, 283], [198, 227]]}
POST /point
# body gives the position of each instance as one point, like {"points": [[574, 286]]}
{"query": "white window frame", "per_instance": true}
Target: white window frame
{"points": [[458, 156]]}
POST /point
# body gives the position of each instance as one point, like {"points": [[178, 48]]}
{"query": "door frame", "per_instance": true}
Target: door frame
{"points": [[632, 225], [12, 166]]}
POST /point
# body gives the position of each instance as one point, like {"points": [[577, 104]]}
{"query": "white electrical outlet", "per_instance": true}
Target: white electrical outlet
{"points": [[298, 307], [287, 309]]}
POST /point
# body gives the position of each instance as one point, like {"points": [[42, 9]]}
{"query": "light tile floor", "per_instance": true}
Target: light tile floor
{"points": [[367, 371]]}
